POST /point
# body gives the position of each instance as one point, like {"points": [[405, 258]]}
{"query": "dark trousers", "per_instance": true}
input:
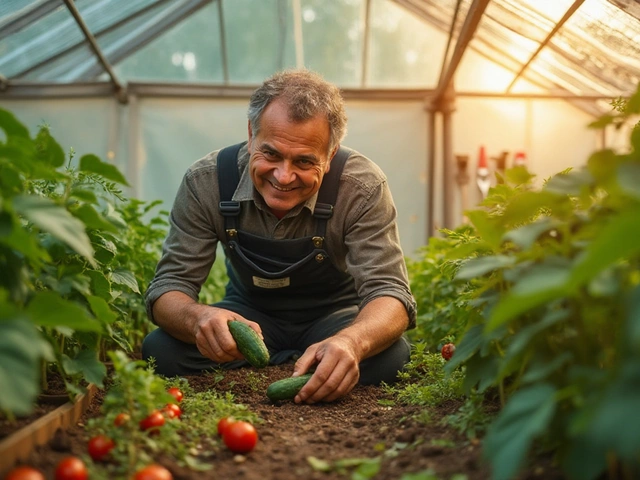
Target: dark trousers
{"points": [[285, 340]]}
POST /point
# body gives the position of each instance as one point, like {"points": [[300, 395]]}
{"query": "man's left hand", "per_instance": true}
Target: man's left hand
{"points": [[337, 370]]}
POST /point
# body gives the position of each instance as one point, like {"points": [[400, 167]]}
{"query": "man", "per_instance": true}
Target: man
{"points": [[312, 250]]}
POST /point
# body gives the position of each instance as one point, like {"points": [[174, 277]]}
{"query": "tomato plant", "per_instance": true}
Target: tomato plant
{"points": [[224, 423], [176, 393], [100, 446], [24, 473], [121, 419], [448, 351], [240, 437], [153, 472], [71, 468], [172, 411], [153, 421]]}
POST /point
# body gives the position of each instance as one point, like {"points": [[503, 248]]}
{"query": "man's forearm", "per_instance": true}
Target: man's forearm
{"points": [[378, 325], [177, 314]]}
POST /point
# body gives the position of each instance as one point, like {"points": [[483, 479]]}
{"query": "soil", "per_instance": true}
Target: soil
{"points": [[360, 425]]}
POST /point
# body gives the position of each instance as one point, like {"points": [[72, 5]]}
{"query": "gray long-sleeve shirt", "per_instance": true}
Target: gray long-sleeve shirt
{"points": [[362, 235]]}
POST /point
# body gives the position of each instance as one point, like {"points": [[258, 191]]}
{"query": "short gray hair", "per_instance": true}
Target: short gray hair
{"points": [[306, 95]]}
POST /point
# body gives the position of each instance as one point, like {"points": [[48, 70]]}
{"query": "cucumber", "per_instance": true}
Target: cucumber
{"points": [[249, 343], [287, 388]]}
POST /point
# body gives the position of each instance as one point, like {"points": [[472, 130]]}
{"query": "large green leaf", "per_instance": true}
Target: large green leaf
{"points": [[526, 236], [92, 219], [11, 126], [92, 164], [629, 179], [22, 349], [488, 228], [633, 320], [101, 310], [525, 416], [571, 183], [471, 342], [617, 240], [477, 267], [86, 363], [541, 284], [52, 218], [48, 150], [125, 277], [50, 310]]}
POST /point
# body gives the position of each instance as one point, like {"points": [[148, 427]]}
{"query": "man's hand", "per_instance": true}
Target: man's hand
{"points": [[212, 335], [337, 371]]}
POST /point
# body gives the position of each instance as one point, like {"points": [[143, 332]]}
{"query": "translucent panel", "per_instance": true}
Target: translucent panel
{"points": [[8, 8], [38, 42], [190, 51], [402, 53], [333, 39], [259, 38], [66, 68]]}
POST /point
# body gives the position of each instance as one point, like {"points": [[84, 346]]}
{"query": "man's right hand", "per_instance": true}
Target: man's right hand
{"points": [[212, 335], [206, 326]]}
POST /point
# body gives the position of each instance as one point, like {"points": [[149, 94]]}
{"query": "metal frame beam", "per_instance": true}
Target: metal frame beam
{"points": [[572, 9], [469, 28], [94, 45]]}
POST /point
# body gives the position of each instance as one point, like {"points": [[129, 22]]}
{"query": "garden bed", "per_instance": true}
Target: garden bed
{"points": [[366, 424]]}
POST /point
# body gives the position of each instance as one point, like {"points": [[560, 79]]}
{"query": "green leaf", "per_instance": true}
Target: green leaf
{"points": [[92, 219], [48, 149], [477, 267], [602, 122], [571, 183], [125, 277], [633, 320], [541, 284], [22, 348], [525, 416], [92, 164], [86, 363], [100, 285], [471, 342], [524, 207], [526, 236], [542, 368], [101, 310], [629, 179], [488, 228], [617, 240], [11, 125], [85, 195], [54, 219], [49, 310], [319, 465]]}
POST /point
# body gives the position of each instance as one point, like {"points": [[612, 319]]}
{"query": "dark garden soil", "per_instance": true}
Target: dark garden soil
{"points": [[361, 425]]}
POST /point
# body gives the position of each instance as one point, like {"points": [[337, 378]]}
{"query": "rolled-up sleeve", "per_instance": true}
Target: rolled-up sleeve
{"points": [[189, 250]]}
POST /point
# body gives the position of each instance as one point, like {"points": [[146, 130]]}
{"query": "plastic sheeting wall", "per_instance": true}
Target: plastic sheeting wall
{"points": [[164, 136]]}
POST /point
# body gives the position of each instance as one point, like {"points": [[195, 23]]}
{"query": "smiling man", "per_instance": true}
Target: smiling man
{"points": [[312, 251]]}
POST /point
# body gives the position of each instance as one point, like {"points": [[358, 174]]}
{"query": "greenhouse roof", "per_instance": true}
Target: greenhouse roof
{"points": [[586, 51]]}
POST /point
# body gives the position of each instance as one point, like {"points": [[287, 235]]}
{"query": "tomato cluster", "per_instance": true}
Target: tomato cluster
{"points": [[239, 436]]}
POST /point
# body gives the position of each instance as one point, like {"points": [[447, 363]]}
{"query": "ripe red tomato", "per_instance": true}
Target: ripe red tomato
{"points": [[224, 423], [172, 411], [153, 472], [240, 437], [176, 393], [448, 350], [24, 473], [71, 468], [121, 419], [100, 446], [153, 421]]}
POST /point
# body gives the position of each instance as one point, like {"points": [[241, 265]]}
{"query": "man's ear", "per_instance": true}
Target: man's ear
{"points": [[335, 150], [250, 133]]}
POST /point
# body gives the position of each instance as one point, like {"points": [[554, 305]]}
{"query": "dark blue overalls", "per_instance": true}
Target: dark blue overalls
{"points": [[289, 287]]}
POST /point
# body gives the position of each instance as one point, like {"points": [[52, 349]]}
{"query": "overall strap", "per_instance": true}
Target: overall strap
{"points": [[228, 178], [329, 192]]}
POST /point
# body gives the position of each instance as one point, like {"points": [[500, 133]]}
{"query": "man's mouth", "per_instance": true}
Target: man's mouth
{"points": [[281, 189]]}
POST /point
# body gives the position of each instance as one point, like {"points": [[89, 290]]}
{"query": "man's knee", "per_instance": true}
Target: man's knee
{"points": [[385, 366], [171, 356]]}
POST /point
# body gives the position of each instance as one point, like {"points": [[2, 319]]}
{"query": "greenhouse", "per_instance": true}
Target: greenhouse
{"points": [[486, 223]]}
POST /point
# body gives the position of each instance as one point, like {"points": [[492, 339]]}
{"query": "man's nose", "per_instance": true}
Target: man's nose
{"points": [[284, 172]]}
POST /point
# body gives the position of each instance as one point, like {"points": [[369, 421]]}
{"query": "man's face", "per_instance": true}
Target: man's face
{"points": [[288, 160]]}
